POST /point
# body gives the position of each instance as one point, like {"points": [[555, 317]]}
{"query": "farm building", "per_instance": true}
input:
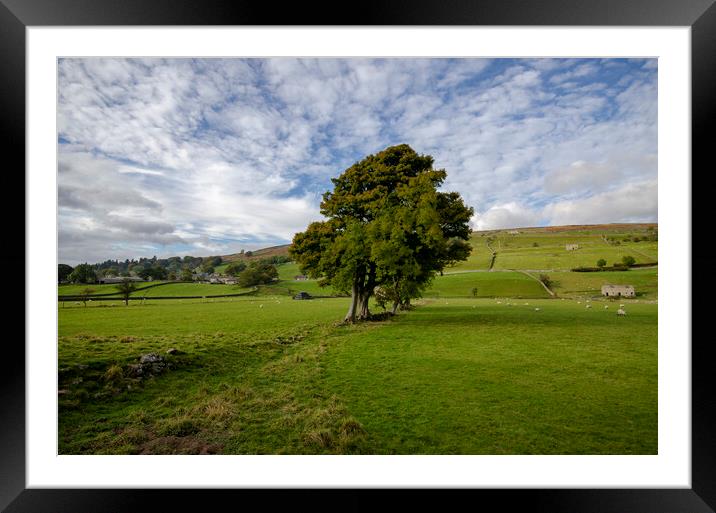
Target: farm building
{"points": [[513, 232], [226, 280], [302, 295], [300, 277], [618, 291], [571, 247]]}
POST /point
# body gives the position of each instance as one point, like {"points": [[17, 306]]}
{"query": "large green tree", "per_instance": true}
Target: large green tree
{"points": [[63, 271], [258, 273], [386, 225], [83, 273]]}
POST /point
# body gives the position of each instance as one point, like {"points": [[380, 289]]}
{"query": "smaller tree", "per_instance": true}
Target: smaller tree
{"points": [[186, 274], [125, 288], [628, 260], [545, 279], [85, 293], [601, 263]]}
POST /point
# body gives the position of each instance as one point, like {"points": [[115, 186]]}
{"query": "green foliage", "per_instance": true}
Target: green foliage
{"points": [[628, 260], [155, 273], [85, 293], [601, 262], [83, 273], [63, 272], [125, 288], [258, 273], [388, 226], [235, 268], [186, 274], [545, 279]]}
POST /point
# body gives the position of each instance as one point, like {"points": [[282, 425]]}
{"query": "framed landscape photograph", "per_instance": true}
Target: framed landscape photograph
{"points": [[376, 256]]}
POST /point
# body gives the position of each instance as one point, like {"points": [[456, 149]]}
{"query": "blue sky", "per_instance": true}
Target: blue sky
{"points": [[209, 156]]}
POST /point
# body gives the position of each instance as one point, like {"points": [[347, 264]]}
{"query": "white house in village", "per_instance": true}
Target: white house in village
{"points": [[618, 291], [572, 247]]}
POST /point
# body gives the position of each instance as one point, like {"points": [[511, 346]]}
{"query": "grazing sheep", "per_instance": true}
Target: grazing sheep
{"points": [[621, 312], [579, 302], [536, 309], [589, 306], [261, 306], [621, 306], [499, 302], [77, 303], [606, 307]]}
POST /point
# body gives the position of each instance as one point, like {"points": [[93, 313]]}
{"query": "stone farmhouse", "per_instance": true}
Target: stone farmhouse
{"points": [[300, 277], [618, 291], [572, 247]]}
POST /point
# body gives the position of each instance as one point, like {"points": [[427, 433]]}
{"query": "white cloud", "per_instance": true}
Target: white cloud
{"points": [[224, 152], [507, 215], [634, 202]]}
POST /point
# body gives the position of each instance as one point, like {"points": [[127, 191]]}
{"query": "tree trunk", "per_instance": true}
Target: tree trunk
{"points": [[353, 308], [363, 312], [396, 304]]}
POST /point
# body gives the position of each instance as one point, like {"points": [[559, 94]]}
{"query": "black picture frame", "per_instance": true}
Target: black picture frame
{"points": [[16, 15]]}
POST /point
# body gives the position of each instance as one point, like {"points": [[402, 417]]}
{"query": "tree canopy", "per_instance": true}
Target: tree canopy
{"points": [[83, 273], [63, 271], [258, 273], [125, 288], [386, 226]]}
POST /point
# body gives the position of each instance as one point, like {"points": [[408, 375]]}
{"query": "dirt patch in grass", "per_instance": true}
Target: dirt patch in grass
{"points": [[179, 445]]}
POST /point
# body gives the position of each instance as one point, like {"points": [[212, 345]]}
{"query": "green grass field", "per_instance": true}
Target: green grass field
{"points": [[271, 375], [488, 284], [547, 250], [645, 282], [190, 289], [507, 370]]}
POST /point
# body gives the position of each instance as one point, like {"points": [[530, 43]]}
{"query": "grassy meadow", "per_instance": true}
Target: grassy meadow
{"points": [[505, 370]]}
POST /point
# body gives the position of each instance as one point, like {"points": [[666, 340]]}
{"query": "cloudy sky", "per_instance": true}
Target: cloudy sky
{"points": [[209, 156]]}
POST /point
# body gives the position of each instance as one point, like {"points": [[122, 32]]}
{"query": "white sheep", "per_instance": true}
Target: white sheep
{"points": [[589, 306], [621, 312], [536, 309], [606, 307]]}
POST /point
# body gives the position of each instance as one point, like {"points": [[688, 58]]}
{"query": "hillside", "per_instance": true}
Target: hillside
{"points": [[537, 248]]}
